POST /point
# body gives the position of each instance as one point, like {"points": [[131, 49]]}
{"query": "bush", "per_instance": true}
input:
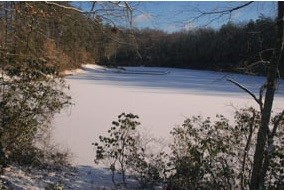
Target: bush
{"points": [[148, 164], [119, 145], [219, 155], [204, 154], [123, 151], [201, 155], [31, 93]]}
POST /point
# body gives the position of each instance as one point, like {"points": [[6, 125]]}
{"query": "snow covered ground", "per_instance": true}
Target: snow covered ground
{"points": [[162, 101], [81, 177], [162, 97]]}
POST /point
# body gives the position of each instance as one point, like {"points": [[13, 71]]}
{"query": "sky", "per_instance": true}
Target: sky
{"points": [[172, 16]]}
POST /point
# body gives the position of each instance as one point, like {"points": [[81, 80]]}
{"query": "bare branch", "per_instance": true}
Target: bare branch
{"points": [[228, 11], [263, 52], [64, 7], [261, 91], [247, 148], [276, 124], [129, 13], [215, 15], [107, 11], [245, 89], [93, 6], [118, 4], [258, 63]]}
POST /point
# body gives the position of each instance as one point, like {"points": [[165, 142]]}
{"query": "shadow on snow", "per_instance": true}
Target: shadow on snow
{"points": [[185, 80]]}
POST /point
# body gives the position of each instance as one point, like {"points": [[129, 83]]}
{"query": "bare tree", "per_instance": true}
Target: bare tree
{"points": [[265, 136]]}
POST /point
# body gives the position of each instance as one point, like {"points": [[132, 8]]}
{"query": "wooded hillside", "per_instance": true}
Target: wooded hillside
{"points": [[233, 47], [68, 38], [63, 37]]}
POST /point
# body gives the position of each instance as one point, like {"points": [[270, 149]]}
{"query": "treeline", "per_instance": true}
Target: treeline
{"points": [[67, 38], [233, 47]]}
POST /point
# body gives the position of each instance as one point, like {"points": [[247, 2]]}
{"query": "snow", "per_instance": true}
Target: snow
{"points": [[83, 177], [162, 101], [72, 72]]}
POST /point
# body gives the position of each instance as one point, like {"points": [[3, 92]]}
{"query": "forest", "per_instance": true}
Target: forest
{"points": [[73, 38], [231, 48]]}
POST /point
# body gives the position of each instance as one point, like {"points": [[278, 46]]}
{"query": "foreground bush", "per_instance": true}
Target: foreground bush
{"points": [[219, 155], [204, 154], [123, 151], [30, 96]]}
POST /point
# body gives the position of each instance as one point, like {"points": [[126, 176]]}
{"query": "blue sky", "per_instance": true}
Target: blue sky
{"points": [[172, 16]]}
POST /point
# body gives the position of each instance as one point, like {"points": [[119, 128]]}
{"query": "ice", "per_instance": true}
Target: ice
{"points": [[162, 101]]}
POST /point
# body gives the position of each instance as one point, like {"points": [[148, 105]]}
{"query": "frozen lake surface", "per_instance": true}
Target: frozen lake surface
{"points": [[175, 80], [162, 97]]}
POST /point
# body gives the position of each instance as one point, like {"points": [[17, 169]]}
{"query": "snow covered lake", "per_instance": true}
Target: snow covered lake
{"points": [[162, 97]]}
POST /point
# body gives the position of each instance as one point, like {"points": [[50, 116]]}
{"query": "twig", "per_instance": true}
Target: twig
{"points": [[247, 148], [258, 63], [276, 123], [219, 13], [65, 7], [245, 89], [228, 11]]}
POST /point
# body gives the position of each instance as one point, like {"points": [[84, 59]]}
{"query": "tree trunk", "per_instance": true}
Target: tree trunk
{"points": [[257, 179]]}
